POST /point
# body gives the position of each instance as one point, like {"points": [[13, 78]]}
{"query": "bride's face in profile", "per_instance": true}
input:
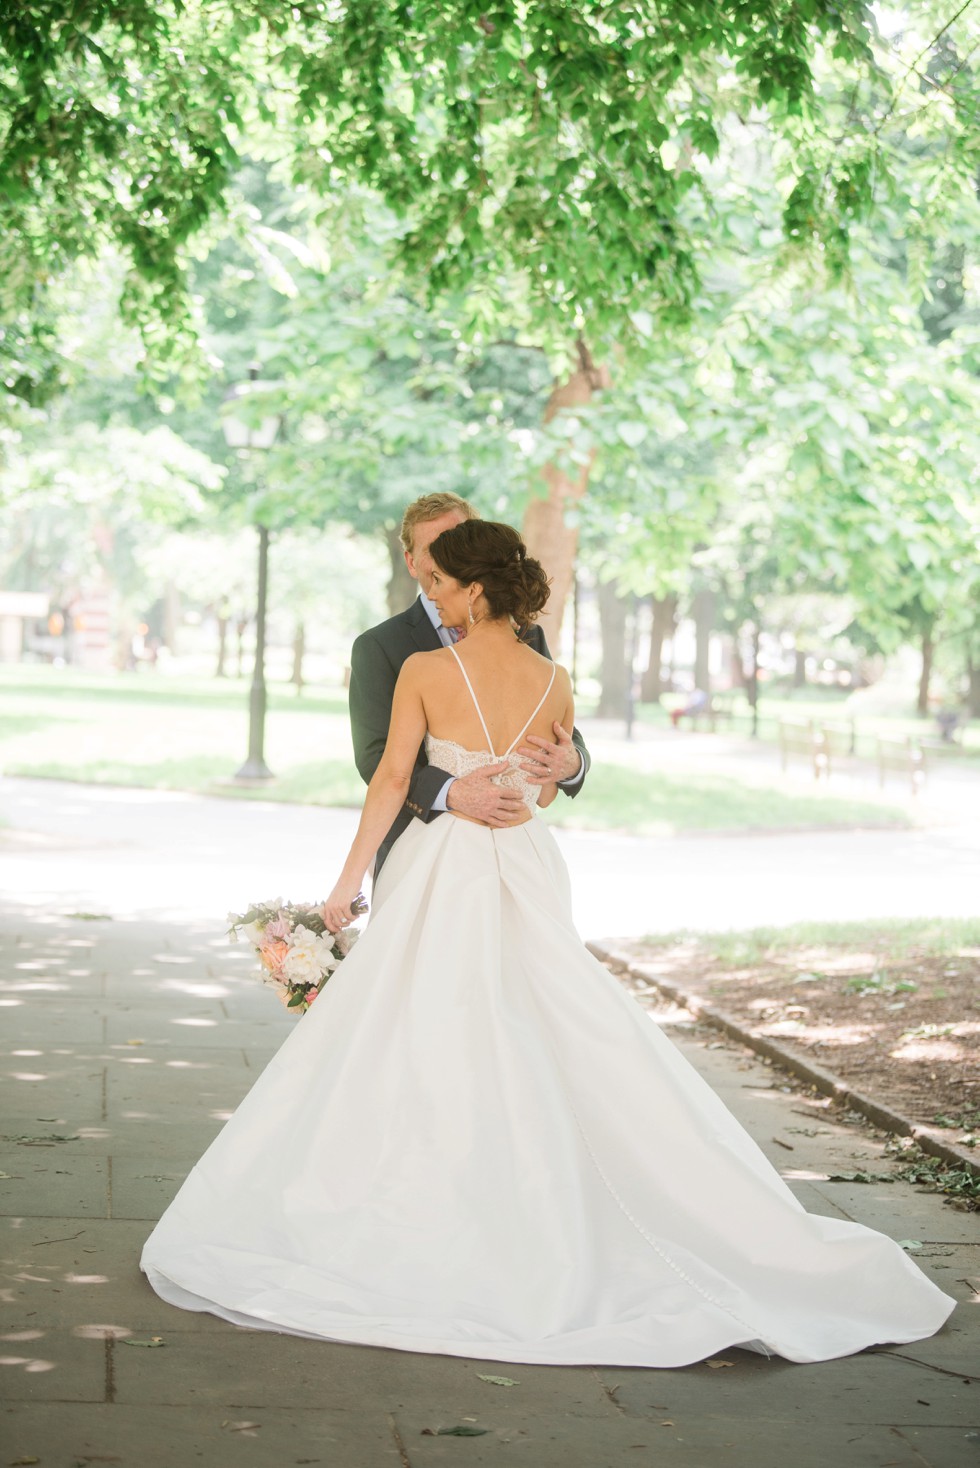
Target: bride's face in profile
{"points": [[450, 598]]}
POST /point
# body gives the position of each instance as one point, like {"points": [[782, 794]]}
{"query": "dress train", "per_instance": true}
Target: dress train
{"points": [[476, 1143]]}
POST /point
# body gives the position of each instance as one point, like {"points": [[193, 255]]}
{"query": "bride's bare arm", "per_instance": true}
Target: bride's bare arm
{"points": [[385, 794]]}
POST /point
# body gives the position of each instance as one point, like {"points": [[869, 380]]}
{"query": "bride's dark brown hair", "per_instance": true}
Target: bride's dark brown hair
{"points": [[494, 554]]}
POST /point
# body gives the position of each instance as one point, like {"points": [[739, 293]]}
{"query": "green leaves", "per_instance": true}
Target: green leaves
{"points": [[524, 142]]}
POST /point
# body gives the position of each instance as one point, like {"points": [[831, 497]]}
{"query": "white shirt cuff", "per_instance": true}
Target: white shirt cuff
{"points": [[441, 800]]}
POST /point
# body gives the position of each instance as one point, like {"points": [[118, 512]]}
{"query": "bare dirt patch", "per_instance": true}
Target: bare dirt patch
{"points": [[900, 1024]]}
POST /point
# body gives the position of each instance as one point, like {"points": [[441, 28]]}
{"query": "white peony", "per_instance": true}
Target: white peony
{"points": [[309, 957], [301, 967]]}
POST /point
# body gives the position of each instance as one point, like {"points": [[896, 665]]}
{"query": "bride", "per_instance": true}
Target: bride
{"points": [[476, 1143]]}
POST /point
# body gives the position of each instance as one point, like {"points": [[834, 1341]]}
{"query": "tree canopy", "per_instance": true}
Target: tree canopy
{"points": [[761, 214], [512, 137]]}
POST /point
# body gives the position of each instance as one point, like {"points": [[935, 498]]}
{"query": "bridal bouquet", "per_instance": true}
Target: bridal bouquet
{"points": [[297, 952]]}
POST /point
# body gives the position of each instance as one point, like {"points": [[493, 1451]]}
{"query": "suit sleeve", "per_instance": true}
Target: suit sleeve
{"points": [[373, 675], [538, 641]]}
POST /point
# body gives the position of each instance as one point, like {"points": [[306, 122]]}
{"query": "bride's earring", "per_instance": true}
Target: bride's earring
{"points": [[469, 613]]}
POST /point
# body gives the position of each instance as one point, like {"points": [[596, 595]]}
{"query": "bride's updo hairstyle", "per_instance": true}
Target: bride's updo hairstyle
{"points": [[514, 584]]}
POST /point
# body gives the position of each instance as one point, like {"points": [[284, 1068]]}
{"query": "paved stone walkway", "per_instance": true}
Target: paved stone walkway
{"points": [[125, 851], [128, 1037], [127, 1040]]}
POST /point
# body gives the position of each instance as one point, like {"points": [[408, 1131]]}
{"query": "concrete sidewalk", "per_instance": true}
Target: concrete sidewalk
{"points": [[161, 852], [128, 1040]]}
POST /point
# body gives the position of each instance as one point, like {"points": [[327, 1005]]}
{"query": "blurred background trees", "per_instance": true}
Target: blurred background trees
{"points": [[695, 297]]}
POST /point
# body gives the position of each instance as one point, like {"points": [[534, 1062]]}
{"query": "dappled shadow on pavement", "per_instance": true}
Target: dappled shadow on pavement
{"points": [[126, 1045]]}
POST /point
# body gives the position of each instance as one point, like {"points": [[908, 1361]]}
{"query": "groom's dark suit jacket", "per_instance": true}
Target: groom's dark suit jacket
{"points": [[376, 660]]}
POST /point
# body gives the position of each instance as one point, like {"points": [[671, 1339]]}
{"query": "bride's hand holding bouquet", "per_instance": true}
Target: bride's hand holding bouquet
{"points": [[342, 906], [297, 947]]}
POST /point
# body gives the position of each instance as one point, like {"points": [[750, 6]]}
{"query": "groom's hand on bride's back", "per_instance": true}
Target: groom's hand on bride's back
{"points": [[474, 795], [548, 761]]}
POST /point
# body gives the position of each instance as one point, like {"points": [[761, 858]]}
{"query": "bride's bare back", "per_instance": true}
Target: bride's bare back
{"points": [[508, 684], [480, 703]]}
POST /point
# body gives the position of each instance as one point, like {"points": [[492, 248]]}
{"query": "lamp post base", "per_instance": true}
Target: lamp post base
{"points": [[254, 772]]}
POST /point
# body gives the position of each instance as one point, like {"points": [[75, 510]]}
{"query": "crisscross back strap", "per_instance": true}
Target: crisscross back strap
{"points": [[479, 711], [537, 710]]}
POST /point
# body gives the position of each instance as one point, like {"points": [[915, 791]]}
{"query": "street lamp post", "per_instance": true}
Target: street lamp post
{"points": [[245, 434]]}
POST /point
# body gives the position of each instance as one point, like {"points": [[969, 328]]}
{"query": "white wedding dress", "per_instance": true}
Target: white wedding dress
{"points": [[477, 1144]]}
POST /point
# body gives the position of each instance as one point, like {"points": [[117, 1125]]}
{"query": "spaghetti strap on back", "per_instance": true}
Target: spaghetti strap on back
{"points": [[512, 746]]}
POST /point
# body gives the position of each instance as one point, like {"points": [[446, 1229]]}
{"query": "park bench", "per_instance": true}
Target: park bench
{"points": [[840, 737], [721, 710], [798, 736], [905, 757], [717, 710]]}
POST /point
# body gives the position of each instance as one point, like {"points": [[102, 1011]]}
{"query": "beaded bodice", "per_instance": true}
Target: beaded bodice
{"points": [[447, 755]]}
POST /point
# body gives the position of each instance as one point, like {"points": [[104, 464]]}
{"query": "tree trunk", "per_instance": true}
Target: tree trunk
{"points": [[703, 612], [739, 675], [664, 622], [613, 608], [222, 618], [925, 677], [402, 588], [548, 537], [222, 648], [299, 652], [752, 681], [171, 616], [799, 668], [241, 627], [973, 688]]}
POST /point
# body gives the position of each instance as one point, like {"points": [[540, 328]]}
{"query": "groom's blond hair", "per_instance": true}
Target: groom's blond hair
{"points": [[431, 507]]}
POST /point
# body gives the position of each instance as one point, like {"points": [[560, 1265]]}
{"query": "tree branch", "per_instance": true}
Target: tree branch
{"points": [[913, 65]]}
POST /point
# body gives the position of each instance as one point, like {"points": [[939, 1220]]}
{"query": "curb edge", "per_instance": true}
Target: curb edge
{"points": [[927, 1138]]}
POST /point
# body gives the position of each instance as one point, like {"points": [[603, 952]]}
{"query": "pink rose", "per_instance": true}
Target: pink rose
{"points": [[272, 955]]}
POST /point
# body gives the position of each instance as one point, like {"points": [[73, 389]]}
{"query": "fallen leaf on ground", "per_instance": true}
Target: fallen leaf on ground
{"points": [[16, 1462], [667, 1423], [460, 1430], [247, 1427], [43, 1140], [156, 1340], [498, 1380], [716, 1362], [859, 1177]]}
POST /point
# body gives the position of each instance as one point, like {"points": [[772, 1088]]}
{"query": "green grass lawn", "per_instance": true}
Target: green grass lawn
{"points": [[648, 803], [895, 938], [828, 705], [184, 734]]}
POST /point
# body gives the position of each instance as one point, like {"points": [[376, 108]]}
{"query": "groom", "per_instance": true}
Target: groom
{"points": [[376, 660]]}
